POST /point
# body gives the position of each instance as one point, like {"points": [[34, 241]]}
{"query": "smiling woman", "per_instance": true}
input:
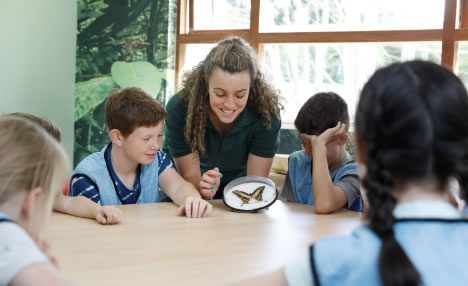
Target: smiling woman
{"points": [[224, 120]]}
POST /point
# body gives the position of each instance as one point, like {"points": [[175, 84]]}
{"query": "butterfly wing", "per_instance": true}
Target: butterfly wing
{"points": [[257, 194], [245, 197]]}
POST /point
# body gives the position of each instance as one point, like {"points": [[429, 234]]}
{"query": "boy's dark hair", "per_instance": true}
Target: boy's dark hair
{"points": [[320, 112], [48, 126], [130, 108]]}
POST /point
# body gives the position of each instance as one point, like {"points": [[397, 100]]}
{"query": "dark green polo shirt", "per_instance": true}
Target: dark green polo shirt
{"points": [[229, 152]]}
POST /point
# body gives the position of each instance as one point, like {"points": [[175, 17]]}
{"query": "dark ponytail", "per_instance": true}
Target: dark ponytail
{"points": [[411, 122], [374, 124], [463, 179], [394, 266]]}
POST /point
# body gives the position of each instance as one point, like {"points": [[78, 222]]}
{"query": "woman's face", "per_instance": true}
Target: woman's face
{"points": [[228, 94]]}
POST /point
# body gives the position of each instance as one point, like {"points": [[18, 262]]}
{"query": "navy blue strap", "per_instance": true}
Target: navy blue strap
{"points": [[110, 170], [444, 220], [4, 219], [314, 266]]}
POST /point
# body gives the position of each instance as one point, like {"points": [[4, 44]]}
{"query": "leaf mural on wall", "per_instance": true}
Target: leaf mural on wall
{"points": [[138, 74], [119, 44], [90, 93]]}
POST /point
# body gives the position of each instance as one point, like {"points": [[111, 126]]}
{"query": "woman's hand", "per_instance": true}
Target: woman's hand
{"points": [[194, 208], [210, 182]]}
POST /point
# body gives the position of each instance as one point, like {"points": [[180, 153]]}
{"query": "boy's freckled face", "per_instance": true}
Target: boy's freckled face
{"points": [[143, 143]]}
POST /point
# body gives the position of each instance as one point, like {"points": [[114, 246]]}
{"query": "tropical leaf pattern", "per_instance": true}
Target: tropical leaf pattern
{"points": [[119, 44]]}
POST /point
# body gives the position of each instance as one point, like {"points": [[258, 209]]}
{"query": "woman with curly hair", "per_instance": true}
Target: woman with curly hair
{"points": [[224, 120]]}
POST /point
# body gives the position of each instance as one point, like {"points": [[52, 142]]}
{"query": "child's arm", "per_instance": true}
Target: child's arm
{"points": [[84, 207], [189, 168], [183, 194], [39, 274], [258, 166], [327, 197]]}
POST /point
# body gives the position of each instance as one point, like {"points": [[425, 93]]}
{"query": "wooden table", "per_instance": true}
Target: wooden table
{"points": [[155, 247]]}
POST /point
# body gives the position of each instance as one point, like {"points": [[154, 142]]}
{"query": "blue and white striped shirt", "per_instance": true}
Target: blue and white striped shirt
{"points": [[82, 186]]}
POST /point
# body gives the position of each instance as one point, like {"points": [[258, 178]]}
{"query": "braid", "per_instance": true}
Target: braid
{"points": [[378, 184], [388, 156], [462, 172], [411, 120], [394, 265]]}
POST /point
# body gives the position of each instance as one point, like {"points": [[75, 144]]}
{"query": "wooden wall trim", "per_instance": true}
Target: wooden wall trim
{"points": [[191, 17], [461, 35], [463, 14], [254, 23], [448, 39], [200, 38], [352, 36]]}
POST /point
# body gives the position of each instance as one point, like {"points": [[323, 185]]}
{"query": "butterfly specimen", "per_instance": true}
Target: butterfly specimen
{"points": [[246, 197]]}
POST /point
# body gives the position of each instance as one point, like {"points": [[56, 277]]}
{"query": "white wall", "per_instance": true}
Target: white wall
{"points": [[37, 60]]}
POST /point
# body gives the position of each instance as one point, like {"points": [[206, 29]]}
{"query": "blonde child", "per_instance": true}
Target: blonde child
{"points": [[132, 169], [412, 137], [75, 206], [33, 169]]}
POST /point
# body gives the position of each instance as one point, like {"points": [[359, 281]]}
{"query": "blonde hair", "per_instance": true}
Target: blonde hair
{"points": [[48, 125], [233, 55], [29, 158]]}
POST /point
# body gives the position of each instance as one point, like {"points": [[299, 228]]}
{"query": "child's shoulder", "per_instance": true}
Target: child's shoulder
{"points": [[91, 162], [347, 258], [363, 242], [298, 163], [349, 166], [299, 156], [19, 251], [13, 233]]}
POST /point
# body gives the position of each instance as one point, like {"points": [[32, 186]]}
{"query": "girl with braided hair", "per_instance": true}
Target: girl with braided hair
{"points": [[412, 137], [224, 120]]}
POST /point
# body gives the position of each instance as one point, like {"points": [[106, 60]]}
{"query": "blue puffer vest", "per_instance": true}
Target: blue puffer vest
{"points": [[94, 167]]}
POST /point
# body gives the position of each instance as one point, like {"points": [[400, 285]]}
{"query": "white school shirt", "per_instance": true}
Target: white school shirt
{"points": [[17, 251]]}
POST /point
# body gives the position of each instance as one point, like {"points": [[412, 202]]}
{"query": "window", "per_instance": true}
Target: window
{"points": [[345, 15], [301, 70], [309, 46], [194, 53], [221, 14]]}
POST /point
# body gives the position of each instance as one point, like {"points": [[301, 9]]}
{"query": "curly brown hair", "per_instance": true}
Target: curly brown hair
{"points": [[233, 55]]}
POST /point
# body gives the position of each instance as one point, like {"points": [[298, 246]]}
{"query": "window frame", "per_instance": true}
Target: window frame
{"points": [[449, 35]]}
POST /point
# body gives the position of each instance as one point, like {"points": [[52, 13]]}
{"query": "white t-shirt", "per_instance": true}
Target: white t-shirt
{"points": [[17, 251]]}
